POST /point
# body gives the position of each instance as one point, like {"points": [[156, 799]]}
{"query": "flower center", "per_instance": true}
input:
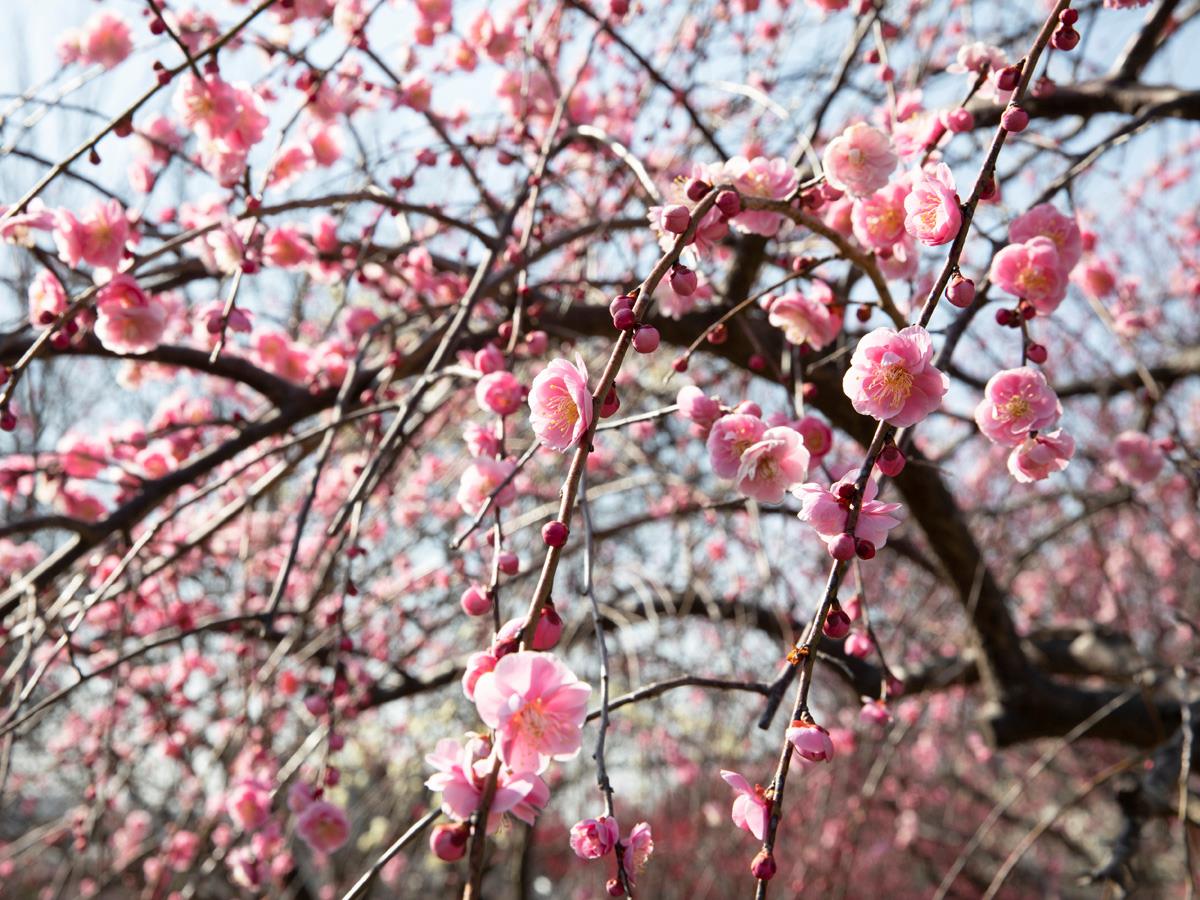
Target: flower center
{"points": [[897, 382], [1032, 281], [1017, 407], [531, 720], [563, 409], [855, 156]]}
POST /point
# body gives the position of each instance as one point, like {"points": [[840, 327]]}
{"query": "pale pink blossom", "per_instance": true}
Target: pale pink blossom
{"points": [[977, 57], [47, 299], [291, 162], [326, 144], [127, 320], [1016, 402], [461, 775], [594, 838], [901, 261], [481, 440], [81, 457], [730, 437], [287, 248], [773, 464], [480, 478], [639, 845], [537, 707], [500, 392], [701, 410], [810, 741], [300, 795], [770, 179], [825, 509], [1046, 221], [1032, 271], [892, 377], [561, 404], [323, 826], [105, 40], [1040, 456], [19, 229], [1137, 460], [97, 238], [751, 809], [859, 160], [811, 318], [932, 215], [878, 218], [249, 805], [477, 665], [1095, 278], [817, 436]]}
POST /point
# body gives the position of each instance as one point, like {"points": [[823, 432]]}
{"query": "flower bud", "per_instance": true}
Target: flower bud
{"points": [[475, 601], [1014, 119], [554, 533], [645, 339], [763, 866], [891, 461], [842, 547], [960, 291], [729, 203], [683, 281], [837, 624], [449, 842], [676, 218]]}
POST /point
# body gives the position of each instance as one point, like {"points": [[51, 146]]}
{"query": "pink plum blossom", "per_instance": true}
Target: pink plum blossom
{"points": [[561, 404], [483, 476], [770, 179], [730, 437], [1040, 456], [817, 436], [810, 318], [1016, 402], [47, 299], [1045, 221], [19, 228], [826, 509], [701, 410], [772, 465], [127, 320], [105, 41], [932, 213], [977, 57], [1136, 459], [323, 826], [1032, 271], [751, 809], [639, 845], [97, 238], [1095, 278], [499, 392], [878, 218], [249, 805], [892, 377], [461, 775], [594, 838], [859, 160], [537, 707]]}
